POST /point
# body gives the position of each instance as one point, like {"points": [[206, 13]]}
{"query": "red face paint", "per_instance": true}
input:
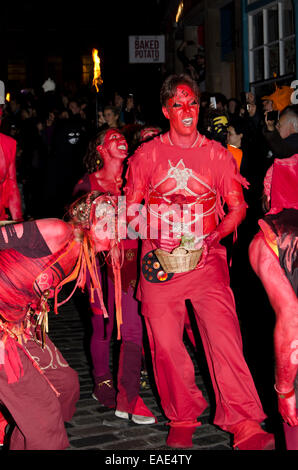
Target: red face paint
{"points": [[115, 144], [182, 111]]}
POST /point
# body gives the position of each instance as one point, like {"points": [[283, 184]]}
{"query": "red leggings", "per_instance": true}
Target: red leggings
{"points": [[213, 303]]}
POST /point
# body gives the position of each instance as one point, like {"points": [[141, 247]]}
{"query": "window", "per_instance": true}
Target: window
{"points": [[54, 68], [16, 70], [87, 69], [227, 31], [271, 41]]}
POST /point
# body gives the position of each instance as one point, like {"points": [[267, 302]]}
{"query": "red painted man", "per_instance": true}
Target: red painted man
{"points": [[273, 256], [183, 167], [10, 199], [38, 389]]}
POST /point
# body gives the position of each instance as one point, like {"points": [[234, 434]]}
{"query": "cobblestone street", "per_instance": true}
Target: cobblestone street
{"points": [[95, 427]]}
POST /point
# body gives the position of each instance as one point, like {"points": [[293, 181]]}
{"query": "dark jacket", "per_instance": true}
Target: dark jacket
{"points": [[281, 148]]}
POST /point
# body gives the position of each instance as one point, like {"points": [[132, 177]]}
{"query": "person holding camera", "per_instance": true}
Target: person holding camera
{"points": [[282, 134]]}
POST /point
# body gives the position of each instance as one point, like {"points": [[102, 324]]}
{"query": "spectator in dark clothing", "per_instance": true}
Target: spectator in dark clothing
{"points": [[282, 138], [233, 108], [28, 140], [45, 128], [217, 126], [204, 106], [65, 163], [255, 149], [221, 102]]}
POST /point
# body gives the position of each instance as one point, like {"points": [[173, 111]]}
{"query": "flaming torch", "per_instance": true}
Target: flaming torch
{"points": [[97, 79], [179, 11]]}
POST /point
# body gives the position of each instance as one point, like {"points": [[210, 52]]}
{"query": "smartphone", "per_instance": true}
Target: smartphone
{"points": [[273, 116], [243, 99], [213, 102]]}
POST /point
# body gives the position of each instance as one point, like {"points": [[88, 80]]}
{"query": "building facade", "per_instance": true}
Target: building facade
{"points": [[269, 43], [249, 45]]}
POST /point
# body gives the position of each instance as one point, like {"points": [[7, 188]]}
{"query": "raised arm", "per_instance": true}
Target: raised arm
{"points": [[236, 211], [11, 190], [229, 188]]}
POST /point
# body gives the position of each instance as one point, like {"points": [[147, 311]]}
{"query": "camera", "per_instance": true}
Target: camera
{"points": [[273, 116], [243, 98]]}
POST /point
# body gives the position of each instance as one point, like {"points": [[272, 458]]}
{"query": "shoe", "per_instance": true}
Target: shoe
{"points": [[137, 419], [260, 441], [3, 429], [180, 437], [104, 391], [248, 435]]}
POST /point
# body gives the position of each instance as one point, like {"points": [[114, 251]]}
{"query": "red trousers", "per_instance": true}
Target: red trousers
{"points": [[209, 291]]}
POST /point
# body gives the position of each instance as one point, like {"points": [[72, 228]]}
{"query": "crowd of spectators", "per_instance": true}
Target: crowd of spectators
{"points": [[53, 129]]}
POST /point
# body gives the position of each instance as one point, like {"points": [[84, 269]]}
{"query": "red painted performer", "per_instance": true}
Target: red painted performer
{"points": [[38, 389], [10, 198], [104, 162], [184, 167], [273, 255]]}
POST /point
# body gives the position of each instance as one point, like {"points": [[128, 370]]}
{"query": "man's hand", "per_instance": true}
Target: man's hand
{"points": [[167, 244], [287, 409], [211, 240]]}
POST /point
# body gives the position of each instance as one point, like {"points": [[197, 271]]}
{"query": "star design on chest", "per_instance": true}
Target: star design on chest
{"points": [[180, 173]]}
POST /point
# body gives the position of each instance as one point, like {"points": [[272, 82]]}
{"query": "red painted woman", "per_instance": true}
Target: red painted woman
{"points": [[104, 163]]}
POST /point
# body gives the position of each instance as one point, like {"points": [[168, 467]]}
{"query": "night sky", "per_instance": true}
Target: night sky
{"points": [[51, 28]]}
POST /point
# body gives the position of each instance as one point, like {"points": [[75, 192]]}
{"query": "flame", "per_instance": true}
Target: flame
{"points": [[7, 97], [97, 80], [179, 11]]}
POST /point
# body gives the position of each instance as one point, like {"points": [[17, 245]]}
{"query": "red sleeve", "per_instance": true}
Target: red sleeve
{"points": [[268, 182], [11, 191]]}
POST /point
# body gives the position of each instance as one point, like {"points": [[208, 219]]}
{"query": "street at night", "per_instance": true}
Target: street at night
{"points": [[149, 229]]}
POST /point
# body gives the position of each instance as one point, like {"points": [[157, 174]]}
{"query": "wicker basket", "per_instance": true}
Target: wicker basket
{"points": [[179, 261]]}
